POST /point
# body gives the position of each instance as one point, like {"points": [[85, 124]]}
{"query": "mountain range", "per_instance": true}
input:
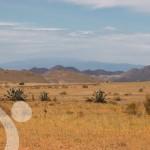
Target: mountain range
{"points": [[61, 74], [80, 64]]}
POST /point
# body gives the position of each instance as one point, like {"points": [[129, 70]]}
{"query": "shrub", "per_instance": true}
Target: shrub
{"points": [[85, 86], [65, 86], [63, 93], [44, 96], [117, 98], [54, 99], [21, 83], [131, 109], [127, 94], [116, 94], [100, 96], [147, 104], [89, 100], [141, 90], [15, 94]]}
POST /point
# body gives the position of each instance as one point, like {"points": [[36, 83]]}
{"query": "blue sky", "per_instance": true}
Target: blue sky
{"points": [[100, 30]]}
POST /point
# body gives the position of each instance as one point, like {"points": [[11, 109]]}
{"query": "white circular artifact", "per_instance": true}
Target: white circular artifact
{"points": [[21, 112]]}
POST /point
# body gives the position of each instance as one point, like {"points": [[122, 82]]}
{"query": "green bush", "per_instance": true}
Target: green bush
{"points": [[16, 94], [44, 96]]}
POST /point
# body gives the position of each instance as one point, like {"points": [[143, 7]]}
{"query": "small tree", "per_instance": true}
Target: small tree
{"points": [[16, 94], [44, 96]]}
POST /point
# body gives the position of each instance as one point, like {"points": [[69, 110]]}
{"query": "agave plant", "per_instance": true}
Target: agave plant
{"points": [[100, 96], [15, 94], [44, 96]]}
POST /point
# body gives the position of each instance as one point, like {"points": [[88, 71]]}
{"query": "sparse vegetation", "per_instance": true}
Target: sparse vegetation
{"points": [[21, 83], [127, 94], [132, 109], [44, 96], [85, 86], [63, 93], [141, 90], [116, 94], [117, 98], [99, 96], [147, 104], [16, 94], [86, 121], [65, 86]]}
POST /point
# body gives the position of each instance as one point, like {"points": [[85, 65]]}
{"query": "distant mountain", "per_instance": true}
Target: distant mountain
{"points": [[134, 75], [60, 74], [38, 70], [20, 76], [82, 65], [59, 67], [102, 72]]}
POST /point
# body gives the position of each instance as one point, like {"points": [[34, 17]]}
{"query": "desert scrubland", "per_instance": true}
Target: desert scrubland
{"points": [[68, 121]]}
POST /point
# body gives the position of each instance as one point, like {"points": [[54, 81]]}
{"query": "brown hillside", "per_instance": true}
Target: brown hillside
{"points": [[67, 76], [133, 75], [20, 76]]}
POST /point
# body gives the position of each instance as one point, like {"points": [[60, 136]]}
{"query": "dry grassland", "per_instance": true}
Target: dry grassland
{"points": [[71, 123]]}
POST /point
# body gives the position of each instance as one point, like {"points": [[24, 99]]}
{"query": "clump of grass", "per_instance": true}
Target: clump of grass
{"points": [[117, 98], [141, 90], [147, 104], [49, 86], [127, 94], [132, 109], [64, 86], [32, 96], [21, 83], [16, 94], [44, 96], [63, 93], [89, 99], [55, 99], [99, 96], [69, 112], [116, 94], [85, 86]]}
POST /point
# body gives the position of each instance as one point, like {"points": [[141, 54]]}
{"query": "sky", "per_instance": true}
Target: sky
{"points": [[93, 30]]}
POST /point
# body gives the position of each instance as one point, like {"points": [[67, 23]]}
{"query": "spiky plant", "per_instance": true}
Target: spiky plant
{"points": [[44, 96], [16, 94], [100, 96]]}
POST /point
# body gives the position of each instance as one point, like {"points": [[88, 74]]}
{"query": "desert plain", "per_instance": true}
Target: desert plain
{"points": [[69, 122]]}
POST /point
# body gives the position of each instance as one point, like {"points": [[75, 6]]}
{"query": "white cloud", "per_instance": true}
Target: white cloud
{"points": [[141, 5], [110, 28], [21, 42]]}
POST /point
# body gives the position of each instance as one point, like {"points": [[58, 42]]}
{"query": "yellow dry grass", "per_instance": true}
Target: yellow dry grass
{"points": [[70, 123]]}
